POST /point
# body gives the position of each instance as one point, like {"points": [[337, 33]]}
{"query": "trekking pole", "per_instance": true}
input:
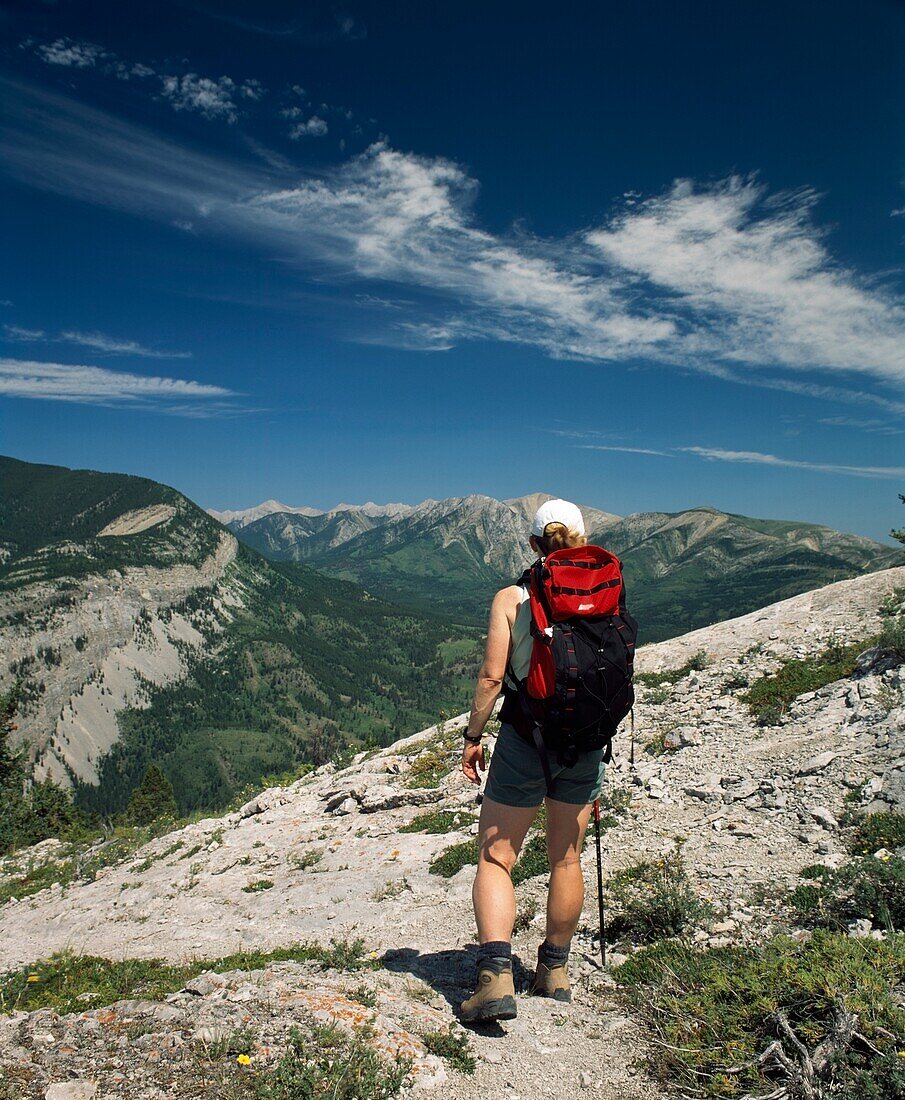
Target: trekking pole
{"points": [[599, 880]]}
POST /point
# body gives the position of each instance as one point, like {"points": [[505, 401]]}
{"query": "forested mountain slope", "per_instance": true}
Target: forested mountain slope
{"points": [[143, 632]]}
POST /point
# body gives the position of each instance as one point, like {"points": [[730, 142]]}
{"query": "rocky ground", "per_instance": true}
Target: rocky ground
{"points": [[324, 858]]}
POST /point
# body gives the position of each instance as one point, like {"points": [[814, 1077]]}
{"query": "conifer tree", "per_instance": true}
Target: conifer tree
{"points": [[153, 799], [900, 534], [10, 760]]}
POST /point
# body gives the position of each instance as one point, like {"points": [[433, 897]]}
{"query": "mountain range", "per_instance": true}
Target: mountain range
{"points": [[143, 631], [683, 570]]}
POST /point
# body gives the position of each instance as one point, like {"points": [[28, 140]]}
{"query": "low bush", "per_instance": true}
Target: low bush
{"points": [[453, 859], [430, 768], [439, 821], [453, 1047], [332, 1063], [875, 831], [777, 689], [694, 663], [715, 1011], [866, 888], [532, 860], [891, 639], [653, 899]]}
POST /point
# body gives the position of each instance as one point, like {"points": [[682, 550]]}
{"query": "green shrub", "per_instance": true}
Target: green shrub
{"points": [[364, 996], [430, 768], [654, 898], [532, 860], [695, 663], [715, 1010], [875, 831], [866, 888], [891, 639], [332, 1063], [453, 1047], [795, 677], [257, 887], [453, 859], [439, 821]]}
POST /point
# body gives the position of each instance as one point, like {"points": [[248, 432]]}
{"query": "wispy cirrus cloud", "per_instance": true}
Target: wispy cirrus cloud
{"points": [[722, 278], [627, 450], [93, 385], [872, 425], [97, 341], [717, 454]]}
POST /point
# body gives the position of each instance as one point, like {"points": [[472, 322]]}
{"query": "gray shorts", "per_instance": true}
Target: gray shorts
{"points": [[516, 775]]}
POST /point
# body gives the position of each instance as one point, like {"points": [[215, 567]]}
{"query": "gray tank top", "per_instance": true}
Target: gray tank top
{"points": [[522, 642]]}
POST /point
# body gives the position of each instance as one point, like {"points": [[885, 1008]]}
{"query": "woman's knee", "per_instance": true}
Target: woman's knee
{"points": [[497, 852], [563, 861]]}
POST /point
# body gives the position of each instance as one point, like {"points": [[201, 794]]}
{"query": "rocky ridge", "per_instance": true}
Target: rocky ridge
{"points": [[108, 635], [325, 858]]}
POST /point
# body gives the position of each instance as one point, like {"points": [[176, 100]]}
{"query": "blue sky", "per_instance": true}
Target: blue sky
{"points": [[647, 256]]}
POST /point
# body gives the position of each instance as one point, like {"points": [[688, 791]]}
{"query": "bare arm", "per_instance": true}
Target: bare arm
{"points": [[490, 677]]}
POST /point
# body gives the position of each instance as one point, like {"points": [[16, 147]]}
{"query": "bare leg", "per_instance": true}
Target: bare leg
{"points": [[501, 832], [566, 824]]}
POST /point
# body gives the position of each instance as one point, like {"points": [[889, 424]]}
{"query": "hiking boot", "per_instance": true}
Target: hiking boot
{"points": [[551, 980], [494, 995]]}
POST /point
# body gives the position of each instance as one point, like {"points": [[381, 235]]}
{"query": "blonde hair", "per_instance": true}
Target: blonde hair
{"points": [[559, 537]]}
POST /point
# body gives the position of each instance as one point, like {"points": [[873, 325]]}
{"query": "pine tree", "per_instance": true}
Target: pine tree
{"points": [[10, 760], [153, 799], [900, 534]]}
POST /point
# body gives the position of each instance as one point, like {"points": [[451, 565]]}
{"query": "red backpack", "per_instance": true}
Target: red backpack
{"points": [[579, 683]]}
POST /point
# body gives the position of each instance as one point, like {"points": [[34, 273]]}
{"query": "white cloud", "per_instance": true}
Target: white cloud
{"points": [[724, 279], [628, 450], [113, 346], [312, 127], [874, 426], [252, 89], [66, 52], [756, 457], [23, 335], [97, 341], [99, 386], [750, 274], [211, 98]]}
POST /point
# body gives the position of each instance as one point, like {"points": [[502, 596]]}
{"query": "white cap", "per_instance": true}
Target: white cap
{"points": [[557, 511]]}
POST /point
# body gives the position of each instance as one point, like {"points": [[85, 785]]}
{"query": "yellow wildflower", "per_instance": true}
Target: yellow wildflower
{"points": [[33, 978], [243, 1060]]}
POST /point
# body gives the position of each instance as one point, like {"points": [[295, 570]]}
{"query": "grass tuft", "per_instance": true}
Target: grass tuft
{"points": [[453, 1047], [332, 1063], [62, 981], [695, 663], [439, 821]]}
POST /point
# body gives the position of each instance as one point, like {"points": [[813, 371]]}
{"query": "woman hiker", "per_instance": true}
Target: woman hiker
{"points": [[516, 788]]}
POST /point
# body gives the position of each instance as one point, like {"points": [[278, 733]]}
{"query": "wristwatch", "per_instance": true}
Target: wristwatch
{"points": [[472, 740]]}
